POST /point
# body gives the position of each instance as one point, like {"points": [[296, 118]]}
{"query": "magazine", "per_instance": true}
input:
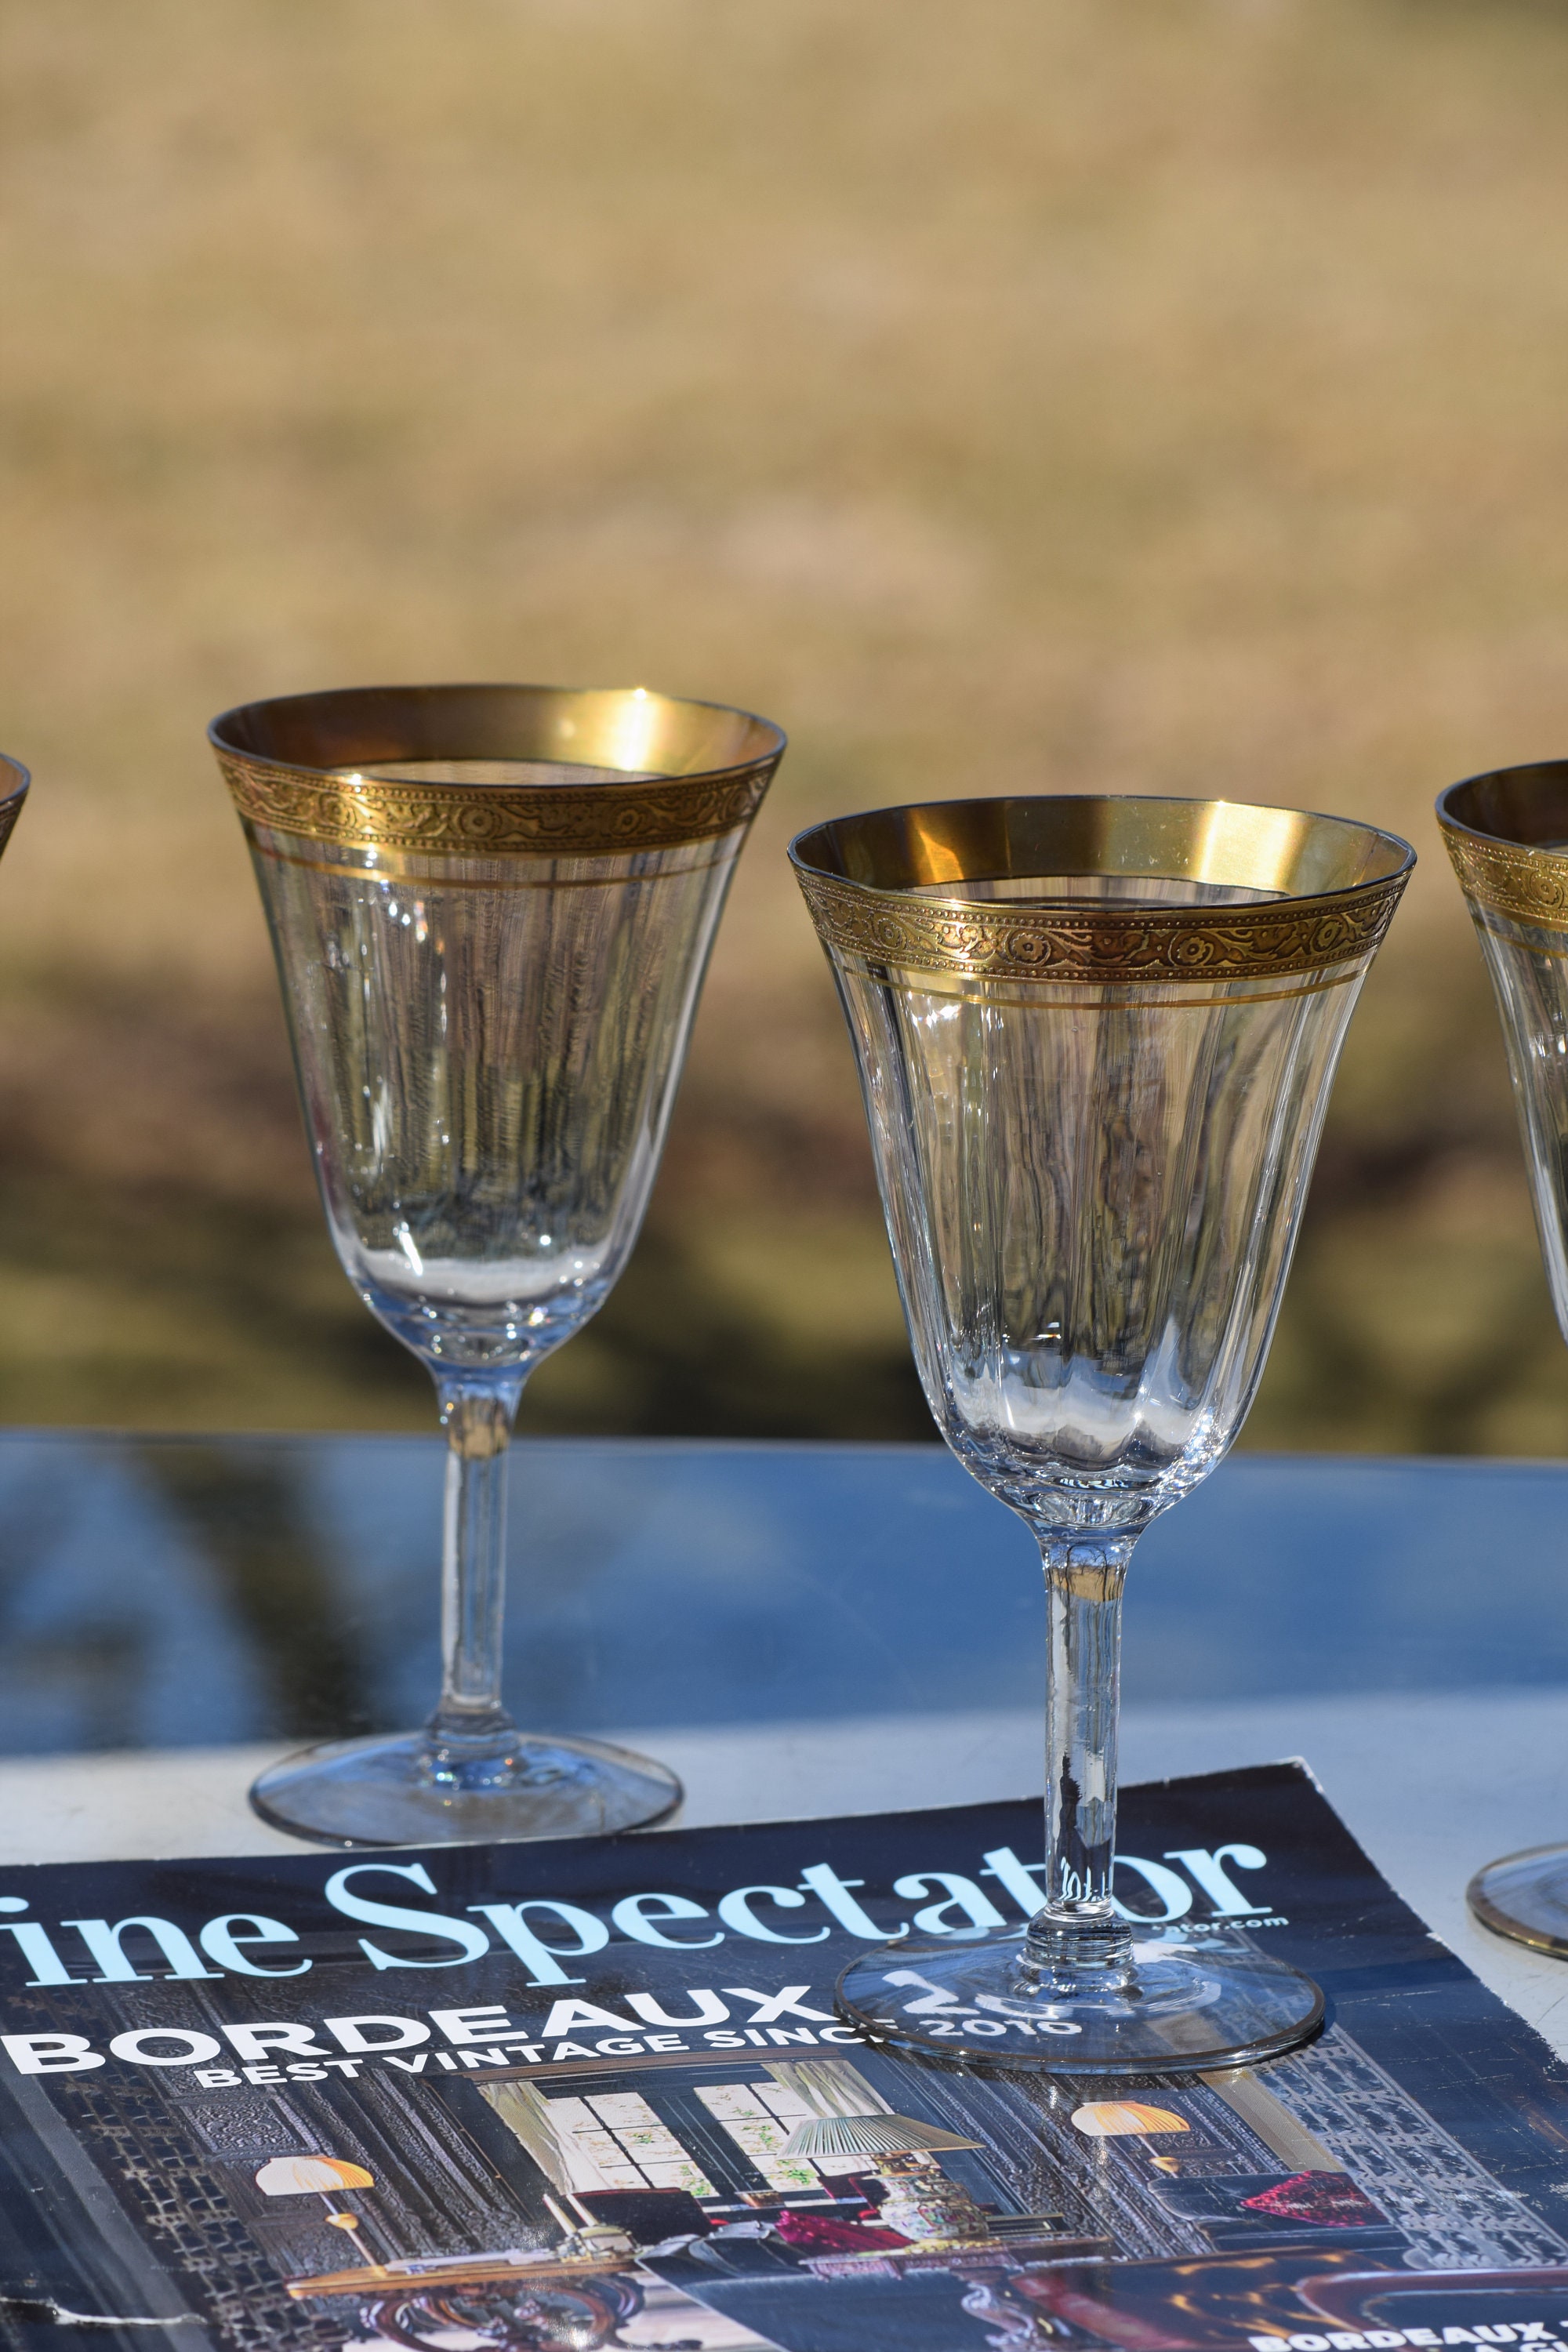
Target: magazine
{"points": [[595, 2093]]}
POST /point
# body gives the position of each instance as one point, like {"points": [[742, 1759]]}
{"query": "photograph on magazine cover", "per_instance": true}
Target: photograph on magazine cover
{"points": [[597, 2095]]}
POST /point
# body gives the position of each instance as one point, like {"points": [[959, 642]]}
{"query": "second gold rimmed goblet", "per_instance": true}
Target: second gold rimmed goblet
{"points": [[1507, 835], [1095, 1038], [491, 907]]}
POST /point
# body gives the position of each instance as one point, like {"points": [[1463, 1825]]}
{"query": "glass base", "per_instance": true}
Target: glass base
{"points": [[1171, 2007], [413, 1788], [1525, 1896]]}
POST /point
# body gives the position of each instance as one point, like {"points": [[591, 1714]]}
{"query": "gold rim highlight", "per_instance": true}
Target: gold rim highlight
{"points": [[858, 873], [285, 765], [1504, 833]]}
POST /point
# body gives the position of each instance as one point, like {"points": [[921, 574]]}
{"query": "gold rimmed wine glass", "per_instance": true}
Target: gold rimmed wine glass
{"points": [[1095, 1038], [491, 907], [1507, 834], [14, 782]]}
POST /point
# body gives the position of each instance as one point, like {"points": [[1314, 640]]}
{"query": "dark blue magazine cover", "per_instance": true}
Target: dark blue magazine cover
{"points": [[595, 2094]]}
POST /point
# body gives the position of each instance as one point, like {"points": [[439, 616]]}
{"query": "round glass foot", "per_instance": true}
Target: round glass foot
{"points": [[1525, 1896], [413, 1789], [1171, 2007]]}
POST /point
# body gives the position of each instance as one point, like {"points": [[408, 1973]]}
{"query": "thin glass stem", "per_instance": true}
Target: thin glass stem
{"points": [[1078, 1933], [477, 1417]]}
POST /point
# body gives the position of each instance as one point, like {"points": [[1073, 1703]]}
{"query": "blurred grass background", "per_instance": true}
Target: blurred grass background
{"points": [[1157, 395]]}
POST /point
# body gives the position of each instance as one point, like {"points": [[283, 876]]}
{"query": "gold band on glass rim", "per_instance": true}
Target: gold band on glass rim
{"points": [[316, 767], [1333, 886], [1507, 834], [14, 782]]}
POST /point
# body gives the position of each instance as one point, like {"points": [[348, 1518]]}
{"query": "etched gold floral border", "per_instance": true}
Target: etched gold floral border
{"points": [[1162, 945], [501, 820], [1529, 884]]}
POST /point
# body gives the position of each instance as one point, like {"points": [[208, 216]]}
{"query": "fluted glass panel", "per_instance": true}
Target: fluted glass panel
{"points": [[1093, 1196], [487, 1068]]}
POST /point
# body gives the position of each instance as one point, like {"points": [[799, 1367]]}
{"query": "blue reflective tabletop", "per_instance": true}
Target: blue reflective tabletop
{"points": [[161, 1592]]}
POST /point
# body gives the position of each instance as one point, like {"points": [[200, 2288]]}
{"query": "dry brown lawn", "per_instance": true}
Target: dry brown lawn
{"points": [[1154, 394]]}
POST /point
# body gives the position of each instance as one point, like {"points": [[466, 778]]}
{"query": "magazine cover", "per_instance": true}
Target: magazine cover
{"points": [[589, 2095]]}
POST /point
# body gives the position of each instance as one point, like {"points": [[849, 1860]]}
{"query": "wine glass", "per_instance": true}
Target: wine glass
{"points": [[14, 782], [491, 907], [1507, 834], [1095, 1038]]}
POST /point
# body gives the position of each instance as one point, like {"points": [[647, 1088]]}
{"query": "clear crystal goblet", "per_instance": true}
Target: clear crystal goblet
{"points": [[491, 907], [14, 782], [1095, 1038], [1507, 834]]}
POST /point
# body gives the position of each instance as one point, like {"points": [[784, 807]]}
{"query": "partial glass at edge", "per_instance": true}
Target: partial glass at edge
{"points": [[14, 783], [1091, 1192], [1507, 834], [488, 1043]]}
